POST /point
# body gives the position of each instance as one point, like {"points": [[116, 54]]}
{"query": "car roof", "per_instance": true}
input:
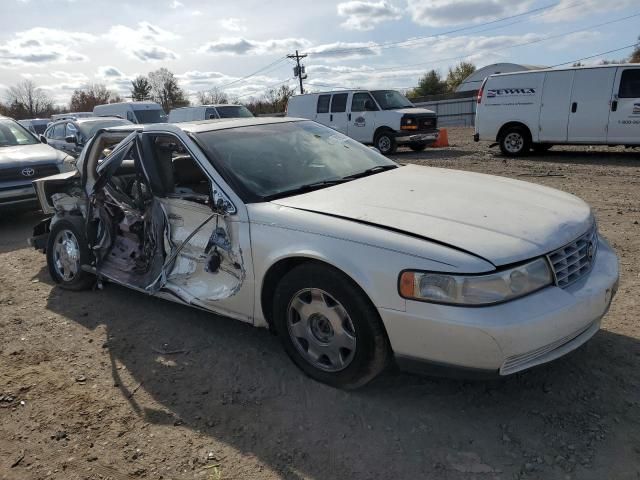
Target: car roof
{"points": [[97, 119]]}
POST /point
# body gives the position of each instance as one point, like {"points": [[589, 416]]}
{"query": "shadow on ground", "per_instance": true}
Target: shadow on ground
{"points": [[235, 384], [13, 225]]}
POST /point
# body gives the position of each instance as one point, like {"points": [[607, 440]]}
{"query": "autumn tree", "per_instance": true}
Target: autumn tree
{"points": [[166, 91], [635, 55], [27, 100], [458, 74], [84, 99], [274, 100], [140, 89]]}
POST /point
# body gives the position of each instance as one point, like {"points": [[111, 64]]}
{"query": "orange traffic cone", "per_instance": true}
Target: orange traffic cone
{"points": [[443, 139]]}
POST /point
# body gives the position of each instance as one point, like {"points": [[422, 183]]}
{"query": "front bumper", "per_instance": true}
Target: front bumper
{"points": [[417, 137], [509, 337]]}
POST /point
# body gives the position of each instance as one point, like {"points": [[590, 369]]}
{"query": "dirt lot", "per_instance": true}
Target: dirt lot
{"points": [[85, 393]]}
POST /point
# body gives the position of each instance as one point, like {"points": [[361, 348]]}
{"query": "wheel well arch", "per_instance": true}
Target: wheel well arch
{"points": [[283, 266], [511, 125], [381, 129]]}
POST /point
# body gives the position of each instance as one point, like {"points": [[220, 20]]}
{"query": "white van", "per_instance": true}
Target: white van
{"points": [[208, 112], [136, 112], [573, 106], [71, 116], [382, 118]]}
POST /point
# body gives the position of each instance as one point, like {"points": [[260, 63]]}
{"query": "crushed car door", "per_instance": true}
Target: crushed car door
{"points": [[204, 264], [126, 225]]}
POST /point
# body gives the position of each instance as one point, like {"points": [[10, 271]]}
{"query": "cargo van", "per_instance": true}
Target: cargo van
{"points": [[136, 112], [535, 110], [208, 112], [382, 118]]}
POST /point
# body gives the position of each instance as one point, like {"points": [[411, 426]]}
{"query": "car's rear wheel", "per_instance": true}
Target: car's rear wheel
{"points": [[329, 327], [417, 147], [67, 251], [515, 141], [385, 143]]}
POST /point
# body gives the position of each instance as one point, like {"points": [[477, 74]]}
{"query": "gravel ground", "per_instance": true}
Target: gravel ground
{"points": [[87, 392]]}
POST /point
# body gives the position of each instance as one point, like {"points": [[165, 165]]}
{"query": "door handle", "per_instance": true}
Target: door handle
{"points": [[349, 116], [574, 107], [614, 106], [331, 117]]}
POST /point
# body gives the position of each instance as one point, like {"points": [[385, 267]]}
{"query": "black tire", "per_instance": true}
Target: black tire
{"points": [[61, 231], [541, 147], [417, 147], [515, 141], [385, 142], [371, 352]]}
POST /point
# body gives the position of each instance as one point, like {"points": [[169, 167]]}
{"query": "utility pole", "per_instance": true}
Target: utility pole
{"points": [[299, 70]]}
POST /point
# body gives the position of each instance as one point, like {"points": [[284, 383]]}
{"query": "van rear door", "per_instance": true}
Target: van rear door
{"points": [[555, 106], [624, 116], [589, 109]]}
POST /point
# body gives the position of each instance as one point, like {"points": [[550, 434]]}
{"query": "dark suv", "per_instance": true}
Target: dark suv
{"points": [[70, 135]]}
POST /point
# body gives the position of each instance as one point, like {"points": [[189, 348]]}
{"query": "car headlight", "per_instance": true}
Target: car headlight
{"points": [[484, 289]]}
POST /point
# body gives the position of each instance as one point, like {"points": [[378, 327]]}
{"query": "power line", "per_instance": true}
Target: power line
{"points": [[265, 88], [411, 41], [596, 55], [252, 74]]}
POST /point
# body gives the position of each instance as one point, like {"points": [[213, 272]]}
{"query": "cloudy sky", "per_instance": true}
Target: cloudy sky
{"points": [[65, 44]]}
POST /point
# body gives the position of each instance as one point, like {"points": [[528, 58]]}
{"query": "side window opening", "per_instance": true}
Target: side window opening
{"points": [[323, 104], [362, 102], [339, 103], [630, 84]]}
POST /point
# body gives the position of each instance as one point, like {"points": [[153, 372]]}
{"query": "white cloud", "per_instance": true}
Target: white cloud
{"points": [[233, 24], [176, 4], [344, 50], [242, 46], [43, 46], [568, 10], [365, 15], [107, 71], [142, 43], [438, 13]]}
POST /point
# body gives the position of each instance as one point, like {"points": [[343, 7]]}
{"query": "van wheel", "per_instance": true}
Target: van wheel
{"points": [[329, 328], [541, 147], [67, 251], [385, 143], [417, 147], [515, 141]]}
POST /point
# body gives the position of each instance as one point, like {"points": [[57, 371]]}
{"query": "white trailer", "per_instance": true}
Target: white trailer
{"points": [[537, 109]]}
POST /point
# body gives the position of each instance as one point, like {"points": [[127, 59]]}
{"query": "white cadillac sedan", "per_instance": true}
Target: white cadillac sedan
{"points": [[353, 260]]}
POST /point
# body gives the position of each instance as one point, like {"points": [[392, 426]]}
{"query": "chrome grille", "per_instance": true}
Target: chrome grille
{"points": [[28, 172], [573, 261]]}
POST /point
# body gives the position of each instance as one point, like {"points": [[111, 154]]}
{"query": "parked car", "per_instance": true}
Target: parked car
{"points": [[37, 126], [351, 258], [70, 136], [537, 109], [135, 112], [382, 118], [208, 112], [71, 116], [23, 159]]}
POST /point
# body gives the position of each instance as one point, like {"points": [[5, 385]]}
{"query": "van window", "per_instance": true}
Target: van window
{"points": [[339, 103], [323, 103], [210, 113], [362, 102], [630, 84], [58, 131]]}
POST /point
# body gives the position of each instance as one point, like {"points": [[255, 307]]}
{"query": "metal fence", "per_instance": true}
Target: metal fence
{"points": [[457, 112]]}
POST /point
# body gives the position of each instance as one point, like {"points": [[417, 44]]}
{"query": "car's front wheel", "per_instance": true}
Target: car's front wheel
{"points": [[329, 327], [385, 143], [67, 251]]}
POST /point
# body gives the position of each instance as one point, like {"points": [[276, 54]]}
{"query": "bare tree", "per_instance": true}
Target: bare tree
{"points": [[166, 91], [213, 96], [27, 100], [273, 101]]}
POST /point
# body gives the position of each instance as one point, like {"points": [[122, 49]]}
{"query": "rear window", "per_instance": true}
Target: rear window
{"points": [[630, 84], [234, 111], [339, 103], [323, 103]]}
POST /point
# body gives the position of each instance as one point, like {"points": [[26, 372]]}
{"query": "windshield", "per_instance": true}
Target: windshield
{"points": [[266, 161], [234, 111], [88, 129], [13, 134], [151, 116], [391, 100]]}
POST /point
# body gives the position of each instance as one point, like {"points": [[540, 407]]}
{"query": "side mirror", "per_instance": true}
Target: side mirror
{"points": [[212, 117], [71, 139], [43, 139]]}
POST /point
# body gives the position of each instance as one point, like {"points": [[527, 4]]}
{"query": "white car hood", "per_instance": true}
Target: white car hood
{"points": [[499, 219]]}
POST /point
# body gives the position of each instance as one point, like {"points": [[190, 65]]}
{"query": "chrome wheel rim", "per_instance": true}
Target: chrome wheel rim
{"points": [[321, 330], [384, 144], [514, 142], [66, 255]]}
